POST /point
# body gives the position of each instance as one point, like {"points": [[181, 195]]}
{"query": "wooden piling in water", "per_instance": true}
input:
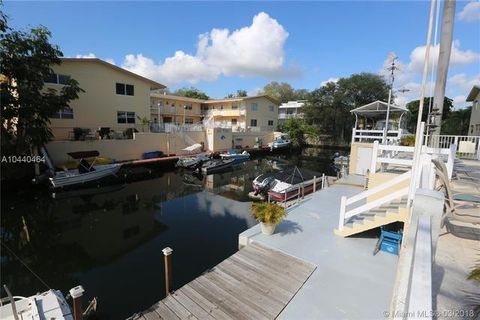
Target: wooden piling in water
{"points": [[167, 257]]}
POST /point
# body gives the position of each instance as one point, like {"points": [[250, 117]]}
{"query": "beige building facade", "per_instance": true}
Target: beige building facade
{"points": [[113, 97], [255, 113], [474, 98]]}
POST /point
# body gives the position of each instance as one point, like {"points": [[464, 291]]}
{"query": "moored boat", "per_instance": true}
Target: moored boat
{"points": [[287, 184], [280, 143], [192, 163], [80, 176], [232, 154]]}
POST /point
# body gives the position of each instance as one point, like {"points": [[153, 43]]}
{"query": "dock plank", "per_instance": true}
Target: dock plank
{"points": [[206, 304], [254, 283], [178, 308], [165, 312], [191, 306]]}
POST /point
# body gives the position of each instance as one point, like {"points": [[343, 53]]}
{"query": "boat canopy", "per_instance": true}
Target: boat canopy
{"points": [[294, 175], [377, 109]]}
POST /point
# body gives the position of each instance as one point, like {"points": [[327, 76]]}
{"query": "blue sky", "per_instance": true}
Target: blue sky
{"points": [[303, 43]]}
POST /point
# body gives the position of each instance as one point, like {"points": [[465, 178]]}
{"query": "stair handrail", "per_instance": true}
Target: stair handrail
{"points": [[344, 214]]}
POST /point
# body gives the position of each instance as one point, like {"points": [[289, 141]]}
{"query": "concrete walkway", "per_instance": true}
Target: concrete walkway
{"points": [[349, 282]]}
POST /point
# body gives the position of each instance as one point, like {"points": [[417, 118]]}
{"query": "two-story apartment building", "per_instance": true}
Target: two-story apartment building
{"points": [[255, 113], [290, 109], [165, 108], [113, 97], [474, 98]]}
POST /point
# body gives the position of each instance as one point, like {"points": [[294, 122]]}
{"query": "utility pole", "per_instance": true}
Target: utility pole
{"points": [[392, 69], [442, 67]]}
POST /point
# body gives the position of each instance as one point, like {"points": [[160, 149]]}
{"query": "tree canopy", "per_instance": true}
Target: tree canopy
{"points": [[413, 106], [239, 93], [328, 108], [191, 92], [27, 59], [284, 92]]}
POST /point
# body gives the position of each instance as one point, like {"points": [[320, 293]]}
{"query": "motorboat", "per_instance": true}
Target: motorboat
{"points": [[192, 163], [216, 166], [50, 304], [233, 154], [84, 173], [279, 143], [287, 184]]}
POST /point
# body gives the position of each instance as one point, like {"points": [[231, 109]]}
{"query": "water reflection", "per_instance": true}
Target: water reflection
{"points": [[109, 239]]}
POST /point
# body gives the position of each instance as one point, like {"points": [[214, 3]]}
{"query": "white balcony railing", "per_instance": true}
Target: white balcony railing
{"points": [[468, 147], [370, 135]]}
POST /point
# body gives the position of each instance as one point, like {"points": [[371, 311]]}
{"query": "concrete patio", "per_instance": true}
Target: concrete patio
{"points": [[349, 282]]}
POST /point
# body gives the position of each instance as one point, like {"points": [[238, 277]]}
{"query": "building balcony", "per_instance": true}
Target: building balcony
{"points": [[283, 116], [227, 113]]}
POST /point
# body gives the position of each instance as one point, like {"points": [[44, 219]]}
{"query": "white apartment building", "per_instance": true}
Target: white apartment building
{"points": [[290, 109]]}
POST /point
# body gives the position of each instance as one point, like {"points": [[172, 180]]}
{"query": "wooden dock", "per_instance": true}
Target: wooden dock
{"points": [[254, 283]]}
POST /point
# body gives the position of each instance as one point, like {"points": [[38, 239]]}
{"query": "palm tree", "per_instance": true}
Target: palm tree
{"points": [[144, 121]]}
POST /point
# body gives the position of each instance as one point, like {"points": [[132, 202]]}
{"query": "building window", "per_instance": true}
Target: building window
{"points": [[253, 122], [270, 123], [173, 109], [125, 117], [234, 107], [271, 108], [254, 107], [188, 107], [234, 122], [125, 89], [188, 121], [66, 113], [57, 78]]}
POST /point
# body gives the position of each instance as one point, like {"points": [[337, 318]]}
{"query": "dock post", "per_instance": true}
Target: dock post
{"points": [[167, 253], [314, 184], [323, 181], [76, 294]]}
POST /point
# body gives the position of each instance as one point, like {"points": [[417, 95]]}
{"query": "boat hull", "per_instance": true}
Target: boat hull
{"points": [[72, 177], [285, 196]]}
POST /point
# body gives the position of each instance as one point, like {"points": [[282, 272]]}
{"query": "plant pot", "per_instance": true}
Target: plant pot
{"points": [[268, 228]]}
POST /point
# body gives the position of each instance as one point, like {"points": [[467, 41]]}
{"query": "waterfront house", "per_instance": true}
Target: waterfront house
{"points": [[290, 109], [474, 98], [113, 98]]}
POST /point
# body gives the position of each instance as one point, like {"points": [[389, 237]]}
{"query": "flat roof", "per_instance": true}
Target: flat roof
{"points": [[473, 93], [210, 101], [153, 84]]}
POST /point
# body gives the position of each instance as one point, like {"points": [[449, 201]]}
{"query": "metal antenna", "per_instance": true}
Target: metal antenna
{"points": [[392, 69]]}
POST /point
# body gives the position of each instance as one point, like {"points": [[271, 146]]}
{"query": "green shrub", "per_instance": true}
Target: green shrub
{"points": [[268, 212], [408, 140]]}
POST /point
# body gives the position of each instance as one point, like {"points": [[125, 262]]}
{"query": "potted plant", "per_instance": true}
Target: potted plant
{"points": [[268, 214]]}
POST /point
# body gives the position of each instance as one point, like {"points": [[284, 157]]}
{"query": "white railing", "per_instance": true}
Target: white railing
{"points": [[420, 291], [370, 135], [172, 127], [468, 147], [387, 154], [345, 202]]}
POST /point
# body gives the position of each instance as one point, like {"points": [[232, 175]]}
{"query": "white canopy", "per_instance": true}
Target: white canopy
{"points": [[378, 108]]}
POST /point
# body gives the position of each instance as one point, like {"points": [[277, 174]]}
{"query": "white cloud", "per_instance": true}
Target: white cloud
{"points": [[256, 50], [471, 12], [86, 56], [458, 57], [329, 80], [110, 60], [464, 82], [459, 100]]}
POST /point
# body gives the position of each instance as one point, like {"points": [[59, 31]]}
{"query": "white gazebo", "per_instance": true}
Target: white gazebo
{"points": [[370, 122]]}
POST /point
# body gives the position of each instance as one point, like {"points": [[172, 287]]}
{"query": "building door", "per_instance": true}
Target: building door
{"points": [[364, 157], [167, 119]]}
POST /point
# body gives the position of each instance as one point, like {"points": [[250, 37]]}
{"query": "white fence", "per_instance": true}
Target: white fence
{"points": [[389, 154], [468, 147], [366, 135], [171, 127]]}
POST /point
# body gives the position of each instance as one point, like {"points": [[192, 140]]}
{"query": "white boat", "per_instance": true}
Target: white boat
{"points": [[279, 143], [192, 162], [72, 177], [232, 154], [48, 305]]}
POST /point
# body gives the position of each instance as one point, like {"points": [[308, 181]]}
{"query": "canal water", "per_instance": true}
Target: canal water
{"points": [[110, 238]]}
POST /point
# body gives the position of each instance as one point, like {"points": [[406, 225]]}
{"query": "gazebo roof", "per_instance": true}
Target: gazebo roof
{"points": [[378, 108]]}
